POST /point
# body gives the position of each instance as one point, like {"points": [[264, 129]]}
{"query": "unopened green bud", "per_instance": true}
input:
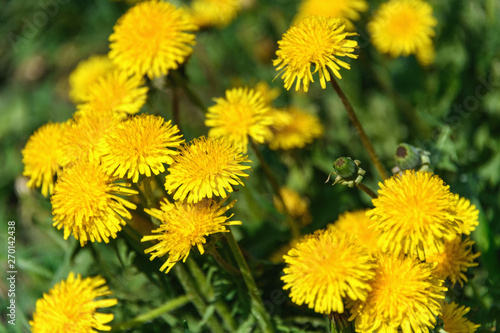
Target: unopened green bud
{"points": [[346, 168], [407, 157]]}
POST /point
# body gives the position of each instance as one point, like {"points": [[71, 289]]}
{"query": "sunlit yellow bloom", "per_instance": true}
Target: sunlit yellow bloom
{"points": [[208, 13], [404, 297], [84, 132], [152, 38], [327, 268], [403, 27], [205, 168], [454, 261], [454, 319], [88, 205], [118, 92], [293, 128], [184, 225], [425, 54], [342, 9], [296, 206], [358, 224], [241, 114], [41, 157], [467, 215], [139, 145], [315, 41], [85, 74], [71, 307], [413, 214]]}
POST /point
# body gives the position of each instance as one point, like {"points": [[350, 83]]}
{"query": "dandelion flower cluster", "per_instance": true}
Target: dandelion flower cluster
{"points": [[453, 262], [88, 205], [293, 128], [241, 114], [326, 267], [117, 91], [71, 306], [204, 168], [184, 225], [403, 294], [41, 157], [219, 13], [83, 134], [454, 320], [404, 27], [152, 38], [358, 224], [343, 9], [85, 74], [413, 214], [139, 145], [315, 41]]}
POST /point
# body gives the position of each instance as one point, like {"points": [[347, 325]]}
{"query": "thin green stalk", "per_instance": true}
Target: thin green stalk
{"points": [[367, 190], [208, 291], [258, 310], [223, 263], [294, 228], [175, 107], [361, 132], [152, 314], [189, 287], [182, 83]]}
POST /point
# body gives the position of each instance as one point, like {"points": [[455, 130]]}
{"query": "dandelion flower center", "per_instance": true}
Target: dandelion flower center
{"points": [[413, 214], [185, 225], [315, 41], [205, 168], [70, 306], [326, 267]]}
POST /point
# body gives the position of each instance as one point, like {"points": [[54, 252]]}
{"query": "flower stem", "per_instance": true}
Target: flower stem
{"points": [[188, 285], [367, 190], [258, 306], [175, 108], [207, 290], [361, 132], [181, 82], [294, 228], [152, 314]]}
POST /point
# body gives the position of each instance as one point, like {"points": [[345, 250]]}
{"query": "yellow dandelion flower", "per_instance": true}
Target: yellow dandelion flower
{"points": [[426, 54], [296, 206], [268, 94], [88, 205], [293, 128], [358, 224], [403, 27], [454, 261], [343, 9], [413, 214], [404, 297], [327, 268], [41, 158], [83, 134], [85, 74], [139, 145], [184, 225], [454, 319], [242, 113], [71, 306], [116, 91], [219, 13], [152, 38], [467, 214], [317, 41], [204, 168]]}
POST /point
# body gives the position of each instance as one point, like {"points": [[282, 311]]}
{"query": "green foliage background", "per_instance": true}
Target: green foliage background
{"points": [[451, 109]]}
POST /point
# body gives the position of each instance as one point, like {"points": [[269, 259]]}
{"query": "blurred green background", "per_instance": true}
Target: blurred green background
{"points": [[451, 109]]}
